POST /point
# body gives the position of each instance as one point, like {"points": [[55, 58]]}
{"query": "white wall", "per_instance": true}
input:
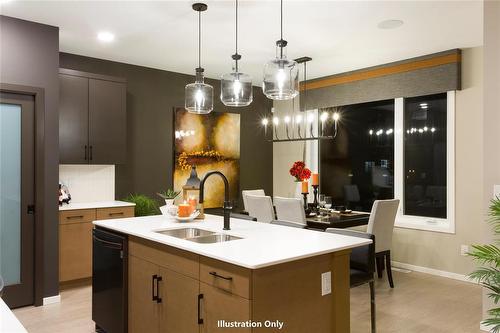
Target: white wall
{"points": [[88, 183], [423, 248]]}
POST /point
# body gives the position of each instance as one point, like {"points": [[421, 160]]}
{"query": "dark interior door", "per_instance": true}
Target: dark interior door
{"points": [[17, 183], [73, 119], [107, 121]]}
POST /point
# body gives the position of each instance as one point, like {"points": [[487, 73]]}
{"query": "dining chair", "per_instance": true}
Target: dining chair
{"points": [[381, 224], [362, 265], [244, 194], [290, 209], [288, 224], [260, 207]]}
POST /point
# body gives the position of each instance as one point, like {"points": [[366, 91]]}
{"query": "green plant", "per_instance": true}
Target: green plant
{"points": [[168, 194], [144, 205], [488, 275]]}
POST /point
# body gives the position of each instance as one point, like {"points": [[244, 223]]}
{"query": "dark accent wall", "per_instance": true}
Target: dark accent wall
{"points": [[29, 56], [152, 95]]}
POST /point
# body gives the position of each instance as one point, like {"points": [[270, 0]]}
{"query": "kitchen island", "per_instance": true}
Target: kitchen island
{"points": [[263, 278]]}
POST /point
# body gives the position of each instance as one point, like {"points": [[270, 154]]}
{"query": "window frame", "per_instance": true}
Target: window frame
{"points": [[446, 225]]}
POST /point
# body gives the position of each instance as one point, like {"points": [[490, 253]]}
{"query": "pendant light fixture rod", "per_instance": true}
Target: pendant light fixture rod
{"points": [[199, 39], [236, 56]]}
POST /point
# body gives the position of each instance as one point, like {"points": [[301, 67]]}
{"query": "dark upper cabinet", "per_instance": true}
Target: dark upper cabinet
{"points": [[73, 119], [92, 118]]}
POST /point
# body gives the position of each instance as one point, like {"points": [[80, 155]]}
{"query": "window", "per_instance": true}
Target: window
{"points": [[358, 166], [402, 148], [424, 150], [425, 156]]}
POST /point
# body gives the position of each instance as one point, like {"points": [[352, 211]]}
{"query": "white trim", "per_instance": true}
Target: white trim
{"points": [[51, 299], [432, 271], [420, 222]]}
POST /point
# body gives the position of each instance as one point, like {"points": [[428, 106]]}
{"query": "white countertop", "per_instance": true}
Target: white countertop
{"points": [[96, 204], [262, 244], [8, 321]]}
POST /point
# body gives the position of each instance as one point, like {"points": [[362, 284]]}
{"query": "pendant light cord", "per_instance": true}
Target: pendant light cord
{"points": [[199, 39], [281, 20], [305, 86], [236, 36]]}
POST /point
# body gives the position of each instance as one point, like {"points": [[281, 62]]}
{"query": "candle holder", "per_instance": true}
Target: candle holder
{"points": [[315, 191], [306, 206]]}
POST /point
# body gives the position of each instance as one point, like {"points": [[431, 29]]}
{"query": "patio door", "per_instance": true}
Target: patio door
{"points": [[17, 184]]}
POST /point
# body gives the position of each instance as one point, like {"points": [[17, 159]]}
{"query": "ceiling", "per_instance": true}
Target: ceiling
{"points": [[338, 35]]}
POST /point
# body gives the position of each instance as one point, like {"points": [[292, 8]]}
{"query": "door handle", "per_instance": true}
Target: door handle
{"points": [[153, 283], [30, 210], [85, 152], [158, 298], [200, 320], [91, 152]]}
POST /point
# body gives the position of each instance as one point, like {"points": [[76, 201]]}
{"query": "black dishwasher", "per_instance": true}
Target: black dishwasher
{"points": [[109, 281]]}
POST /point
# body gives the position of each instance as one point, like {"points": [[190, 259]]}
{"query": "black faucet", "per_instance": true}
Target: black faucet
{"points": [[227, 204]]}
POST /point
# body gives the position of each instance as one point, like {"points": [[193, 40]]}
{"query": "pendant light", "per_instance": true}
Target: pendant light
{"points": [[281, 76], [199, 96], [236, 87]]}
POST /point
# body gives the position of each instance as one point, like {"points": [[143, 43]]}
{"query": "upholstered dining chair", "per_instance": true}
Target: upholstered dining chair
{"points": [[260, 207], [362, 265], [290, 209], [381, 224], [244, 194], [288, 224]]}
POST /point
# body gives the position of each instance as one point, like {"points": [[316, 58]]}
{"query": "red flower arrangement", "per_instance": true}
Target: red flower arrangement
{"points": [[300, 172]]}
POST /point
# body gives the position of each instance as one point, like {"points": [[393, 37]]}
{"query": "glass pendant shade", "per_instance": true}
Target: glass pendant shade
{"points": [[236, 89], [199, 96], [281, 77]]}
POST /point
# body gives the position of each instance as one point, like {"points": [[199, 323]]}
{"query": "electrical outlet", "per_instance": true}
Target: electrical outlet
{"points": [[326, 283], [464, 249]]}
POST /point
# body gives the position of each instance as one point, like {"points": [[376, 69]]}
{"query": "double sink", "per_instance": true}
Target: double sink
{"points": [[198, 235]]}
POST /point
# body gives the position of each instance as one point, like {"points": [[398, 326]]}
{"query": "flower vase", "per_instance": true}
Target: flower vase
{"points": [[298, 190]]}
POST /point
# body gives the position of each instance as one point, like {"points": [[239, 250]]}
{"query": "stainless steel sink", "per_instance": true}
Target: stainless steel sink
{"points": [[186, 233], [217, 238]]}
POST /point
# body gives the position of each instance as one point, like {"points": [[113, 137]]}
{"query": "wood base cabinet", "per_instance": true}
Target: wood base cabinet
{"points": [[176, 291], [75, 239]]}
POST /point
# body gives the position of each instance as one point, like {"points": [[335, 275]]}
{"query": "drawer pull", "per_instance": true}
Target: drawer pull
{"points": [[228, 278], [200, 320], [113, 214], [75, 217]]}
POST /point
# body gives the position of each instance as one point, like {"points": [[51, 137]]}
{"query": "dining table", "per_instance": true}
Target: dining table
{"points": [[337, 220]]}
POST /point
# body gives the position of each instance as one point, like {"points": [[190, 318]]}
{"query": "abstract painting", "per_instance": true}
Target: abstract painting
{"points": [[211, 142]]}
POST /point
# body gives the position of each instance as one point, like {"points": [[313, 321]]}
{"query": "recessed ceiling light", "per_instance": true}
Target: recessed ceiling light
{"points": [[105, 36], [390, 24]]}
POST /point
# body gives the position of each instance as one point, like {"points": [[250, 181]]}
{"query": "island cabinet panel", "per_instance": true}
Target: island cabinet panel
{"points": [[231, 278], [179, 302], [179, 261], [143, 310], [282, 291], [219, 305]]}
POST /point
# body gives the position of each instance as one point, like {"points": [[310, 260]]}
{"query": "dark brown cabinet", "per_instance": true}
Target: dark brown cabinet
{"points": [[92, 118]]}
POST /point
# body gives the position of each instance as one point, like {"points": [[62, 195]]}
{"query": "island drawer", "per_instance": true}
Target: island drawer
{"points": [[77, 216], [114, 213], [234, 279], [165, 256]]}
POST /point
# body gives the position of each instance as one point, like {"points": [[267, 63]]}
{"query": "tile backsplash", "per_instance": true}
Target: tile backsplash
{"points": [[88, 183]]}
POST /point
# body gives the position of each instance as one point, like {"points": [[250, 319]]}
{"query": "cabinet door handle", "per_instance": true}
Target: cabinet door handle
{"points": [[113, 214], [200, 320], [158, 298], [228, 278], [153, 283], [91, 153], [85, 152], [75, 217]]}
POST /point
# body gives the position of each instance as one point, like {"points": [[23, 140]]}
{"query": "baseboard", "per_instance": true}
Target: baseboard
{"points": [[51, 299], [484, 327], [432, 271]]}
